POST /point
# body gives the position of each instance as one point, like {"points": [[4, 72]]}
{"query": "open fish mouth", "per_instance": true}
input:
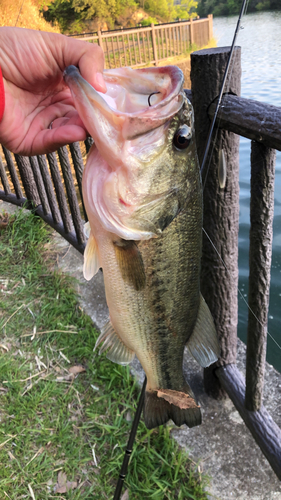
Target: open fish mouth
{"points": [[136, 101], [130, 126]]}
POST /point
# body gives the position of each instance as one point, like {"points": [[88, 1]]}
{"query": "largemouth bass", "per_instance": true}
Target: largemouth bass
{"points": [[143, 196]]}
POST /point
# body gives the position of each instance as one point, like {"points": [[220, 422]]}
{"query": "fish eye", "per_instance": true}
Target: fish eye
{"points": [[182, 137]]}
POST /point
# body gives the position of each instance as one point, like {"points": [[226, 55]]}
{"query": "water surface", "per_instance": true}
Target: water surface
{"points": [[260, 40]]}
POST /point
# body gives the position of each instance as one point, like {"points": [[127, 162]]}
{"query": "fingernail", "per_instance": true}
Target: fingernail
{"points": [[99, 80]]}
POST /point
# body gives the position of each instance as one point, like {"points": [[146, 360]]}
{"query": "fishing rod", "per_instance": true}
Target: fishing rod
{"points": [[130, 444], [212, 126]]}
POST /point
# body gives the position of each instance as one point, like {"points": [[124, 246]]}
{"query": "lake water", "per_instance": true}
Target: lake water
{"points": [[260, 40]]}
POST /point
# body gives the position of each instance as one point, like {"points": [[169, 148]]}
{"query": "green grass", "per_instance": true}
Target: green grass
{"points": [[55, 425]]}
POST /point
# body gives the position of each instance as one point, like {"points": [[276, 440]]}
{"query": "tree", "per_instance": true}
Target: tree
{"points": [[72, 14]]}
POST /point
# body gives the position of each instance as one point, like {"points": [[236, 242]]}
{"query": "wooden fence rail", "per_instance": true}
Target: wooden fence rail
{"points": [[136, 47], [53, 184]]}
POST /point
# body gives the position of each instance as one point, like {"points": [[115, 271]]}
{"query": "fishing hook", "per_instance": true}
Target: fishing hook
{"points": [[153, 93]]}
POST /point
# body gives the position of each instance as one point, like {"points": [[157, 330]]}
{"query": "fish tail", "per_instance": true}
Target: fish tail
{"points": [[159, 408]]}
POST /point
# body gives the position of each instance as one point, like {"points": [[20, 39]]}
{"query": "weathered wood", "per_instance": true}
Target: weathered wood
{"points": [[78, 164], [4, 178], [210, 18], [49, 188], [52, 160], [261, 232], [71, 194], [252, 119], [265, 431], [191, 31], [219, 274], [100, 39], [27, 178], [40, 184], [13, 172], [154, 46]]}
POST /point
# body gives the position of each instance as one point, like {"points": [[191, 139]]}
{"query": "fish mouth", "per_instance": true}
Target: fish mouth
{"points": [[136, 101]]}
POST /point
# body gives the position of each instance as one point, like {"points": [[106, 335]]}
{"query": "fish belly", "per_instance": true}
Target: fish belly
{"points": [[156, 321]]}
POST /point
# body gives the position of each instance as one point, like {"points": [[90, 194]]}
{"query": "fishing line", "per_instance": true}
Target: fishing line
{"points": [[208, 143], [239, 290], [19, 12], [222, 95]]}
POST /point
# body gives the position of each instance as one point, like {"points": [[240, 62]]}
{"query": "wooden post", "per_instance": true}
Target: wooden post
{"points": [[100, 39], [191, 32], [219, 274], [210, 17], [154, 46], [261, 215]]}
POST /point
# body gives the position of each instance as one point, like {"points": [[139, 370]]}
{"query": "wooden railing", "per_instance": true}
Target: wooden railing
{"points": [[53, 184], [136, 47], [219, 272]]}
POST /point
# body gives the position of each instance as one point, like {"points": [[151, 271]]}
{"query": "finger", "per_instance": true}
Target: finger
{"points": [[50, 140], [89, 58]]}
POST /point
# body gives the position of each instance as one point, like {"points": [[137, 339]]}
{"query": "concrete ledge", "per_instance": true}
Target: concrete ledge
{"points": [[227, 451]]}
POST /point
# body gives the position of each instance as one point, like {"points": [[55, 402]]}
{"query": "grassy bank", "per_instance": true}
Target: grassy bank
{"points": [[66, 412]]}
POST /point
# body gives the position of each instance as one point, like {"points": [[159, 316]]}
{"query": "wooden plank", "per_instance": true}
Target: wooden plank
{"points": [[129, 48], [124, 49], [119, 52], [144, 48], [252, 119], [135, 53], [27, 179], [155, 55], [148, 45], [264, 430], [140, 58], [4, 178], [108, 54], [113, 50], [219, 272], [261, 233], [13, 172]]}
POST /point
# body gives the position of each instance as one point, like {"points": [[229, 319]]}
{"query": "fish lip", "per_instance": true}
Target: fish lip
{"points": [[72, 73]]}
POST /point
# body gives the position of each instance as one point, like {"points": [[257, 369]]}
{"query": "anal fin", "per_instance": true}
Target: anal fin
{"points": [[203, 343], [117, 352]]}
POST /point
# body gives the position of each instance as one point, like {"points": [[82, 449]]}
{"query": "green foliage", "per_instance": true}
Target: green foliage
{"points": [[186, 9], [232, 7], [168, 11], [53, 424], [148, 21], [72, 14]]}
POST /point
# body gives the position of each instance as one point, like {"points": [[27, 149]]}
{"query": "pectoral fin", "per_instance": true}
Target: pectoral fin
{"points": [[91, 260], [203, 343], [130, 263], [157, 214], [117, 352]]}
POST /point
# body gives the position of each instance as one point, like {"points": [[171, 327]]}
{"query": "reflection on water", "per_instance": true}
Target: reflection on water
{"points": [[260, 40]]}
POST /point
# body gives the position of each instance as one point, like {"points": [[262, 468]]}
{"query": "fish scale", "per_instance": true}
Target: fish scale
{"points": [[143, 196]]}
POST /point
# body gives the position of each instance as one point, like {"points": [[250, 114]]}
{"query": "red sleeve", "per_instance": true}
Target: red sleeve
{"points": [[2, 96]]}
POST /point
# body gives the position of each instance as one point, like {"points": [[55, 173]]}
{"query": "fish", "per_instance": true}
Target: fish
{"points": [[143, 196]]}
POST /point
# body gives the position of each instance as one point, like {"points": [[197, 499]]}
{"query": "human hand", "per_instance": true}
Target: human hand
{"points": [[36, 96]]}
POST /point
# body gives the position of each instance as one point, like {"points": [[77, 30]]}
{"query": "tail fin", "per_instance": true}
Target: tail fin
{"points": [[163, 405]]}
